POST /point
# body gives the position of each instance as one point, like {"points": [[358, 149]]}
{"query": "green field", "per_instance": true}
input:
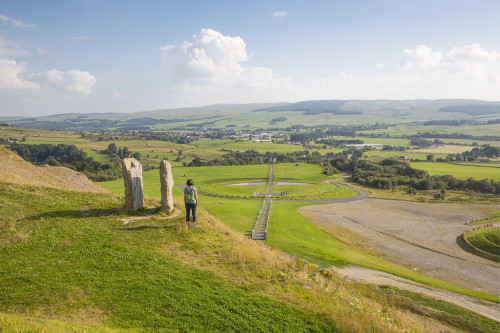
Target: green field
{"points": [[478, 130], [479, 171], [485, 241], [261, 147], [288, 230], [384, 141], [68, 256], [445, 149]]}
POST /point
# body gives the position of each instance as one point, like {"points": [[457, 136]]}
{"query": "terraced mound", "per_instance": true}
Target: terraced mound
{"points": [[16, 170]]}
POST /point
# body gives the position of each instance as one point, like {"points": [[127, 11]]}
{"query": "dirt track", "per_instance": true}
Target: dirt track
{"points": [[363, 275], [419, 235]]}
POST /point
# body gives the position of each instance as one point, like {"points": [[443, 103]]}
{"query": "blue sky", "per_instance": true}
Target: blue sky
{"points": [[126, 56]]}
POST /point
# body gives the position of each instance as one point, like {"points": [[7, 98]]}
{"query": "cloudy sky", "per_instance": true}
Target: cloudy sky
{"points": [[62, 56]]}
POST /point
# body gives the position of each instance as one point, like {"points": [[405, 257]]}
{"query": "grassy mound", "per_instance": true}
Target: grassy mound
{"points": [[482, 242], [72, 261], [69, 255]]}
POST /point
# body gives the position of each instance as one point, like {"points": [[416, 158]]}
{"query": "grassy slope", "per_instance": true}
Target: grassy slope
{"points": [[460, 171], [484, 242], [69, 263], [69, 255], [288, 229]]}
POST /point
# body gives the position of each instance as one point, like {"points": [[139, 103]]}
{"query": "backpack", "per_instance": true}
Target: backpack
{"points": [[189, 194]]}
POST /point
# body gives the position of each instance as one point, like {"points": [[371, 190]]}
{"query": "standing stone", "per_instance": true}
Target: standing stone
{"points": [[132, 178], [167, 183]]}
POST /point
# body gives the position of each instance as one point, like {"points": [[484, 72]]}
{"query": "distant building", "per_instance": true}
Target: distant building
{"points": [[363, 145]]}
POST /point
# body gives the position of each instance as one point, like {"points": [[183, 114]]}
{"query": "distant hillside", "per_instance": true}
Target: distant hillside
{"points": [[473, 109], [313, 107], [261, 115], [16, 170]]}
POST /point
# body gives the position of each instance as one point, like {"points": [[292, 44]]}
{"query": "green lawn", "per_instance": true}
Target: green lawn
{"points": [[69, 255], [486, 240], [382, 154], [261, 147], [479, 172], [300, 172], [288, 230], [479, 130]]}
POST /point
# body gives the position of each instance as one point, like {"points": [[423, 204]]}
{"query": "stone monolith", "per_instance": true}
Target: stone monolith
{"points": [[132, 178], [167, 183]]}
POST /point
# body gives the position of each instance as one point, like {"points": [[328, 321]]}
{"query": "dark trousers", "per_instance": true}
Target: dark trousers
{"points": [[191, 207]]}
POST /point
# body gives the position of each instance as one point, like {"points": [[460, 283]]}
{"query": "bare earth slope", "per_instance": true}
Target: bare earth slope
{"points": [[16, 170]]}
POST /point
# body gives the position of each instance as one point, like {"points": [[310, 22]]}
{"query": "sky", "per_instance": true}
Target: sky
{"points": [[86, 56]]}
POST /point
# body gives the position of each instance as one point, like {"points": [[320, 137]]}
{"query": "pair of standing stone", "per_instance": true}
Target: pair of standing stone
{"points": [[134, 194]]}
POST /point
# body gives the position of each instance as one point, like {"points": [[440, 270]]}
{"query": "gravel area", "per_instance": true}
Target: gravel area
{"points": [[417, 235]]}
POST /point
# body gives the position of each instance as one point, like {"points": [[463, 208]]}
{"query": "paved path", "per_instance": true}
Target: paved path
{"points": [[260, 229]]}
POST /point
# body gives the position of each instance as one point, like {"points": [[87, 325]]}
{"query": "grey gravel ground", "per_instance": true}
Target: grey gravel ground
{"points": [[419, 235]]}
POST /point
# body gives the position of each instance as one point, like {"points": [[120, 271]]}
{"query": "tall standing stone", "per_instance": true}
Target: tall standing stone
{"points": [[132, 178], [167, 183]]}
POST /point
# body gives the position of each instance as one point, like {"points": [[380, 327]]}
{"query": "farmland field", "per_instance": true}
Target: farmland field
{"points": [[478, 172], [446, 149], [261, 147], [478, 130]]}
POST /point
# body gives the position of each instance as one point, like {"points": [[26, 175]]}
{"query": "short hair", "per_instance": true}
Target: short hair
{"points": [[190, 182]]}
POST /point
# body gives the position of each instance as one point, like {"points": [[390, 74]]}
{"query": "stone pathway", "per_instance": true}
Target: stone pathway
{"points": [[259, 231]]}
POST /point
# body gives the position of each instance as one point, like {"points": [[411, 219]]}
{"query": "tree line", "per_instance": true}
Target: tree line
{"points": [[390, 173]]}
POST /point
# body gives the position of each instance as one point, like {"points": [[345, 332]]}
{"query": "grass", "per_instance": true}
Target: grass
{"points": [[261, 147], [68, 263], [288, 230], [483, 242], [445, 149], [479, 130], [238, 214], [383, 154], [300, 172], [478, 172], [449, 313], [60, 259]]}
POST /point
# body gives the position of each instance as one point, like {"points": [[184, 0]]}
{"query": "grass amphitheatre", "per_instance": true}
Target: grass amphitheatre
{"points": [[386, 225]]}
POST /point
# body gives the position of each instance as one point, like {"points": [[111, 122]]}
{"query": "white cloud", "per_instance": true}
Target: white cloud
{"points": [[460, 72], [212, 61], [380, 65], [17, 23], [75, 81], [423, 57], [10, 49], [280, 14], [81, 38], [9, 76]]}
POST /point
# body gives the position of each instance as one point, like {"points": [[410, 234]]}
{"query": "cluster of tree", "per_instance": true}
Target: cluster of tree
{"points": [[179, 138], [249, 157], [477, 152], [389, 147], [71, 157], [336, 142], [449, 122], [112, 150], [278, 119], [390, 172], [420, 142], [454, 136]]}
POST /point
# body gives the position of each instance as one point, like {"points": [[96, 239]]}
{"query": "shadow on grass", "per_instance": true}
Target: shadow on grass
{"points": [[78, 213], [145, 227]]}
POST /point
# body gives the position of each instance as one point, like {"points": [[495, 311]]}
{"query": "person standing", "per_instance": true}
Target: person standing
{"points": [[191, 201]]}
